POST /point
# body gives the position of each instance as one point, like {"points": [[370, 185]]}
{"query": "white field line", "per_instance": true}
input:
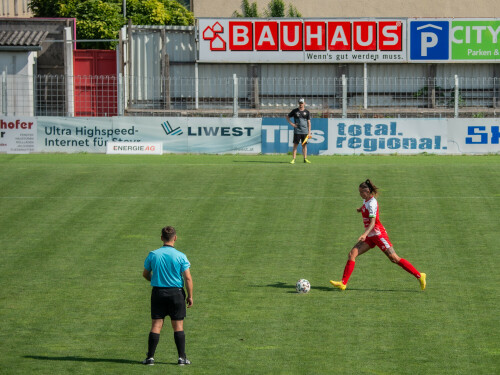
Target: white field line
{"points": [[244, 197]]}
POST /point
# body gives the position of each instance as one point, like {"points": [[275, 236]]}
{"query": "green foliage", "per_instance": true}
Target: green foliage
{"points": [[249, 10], [46, 8], [95, 19], [275, 8], [102, 19], [158, 12], [293, 12]]}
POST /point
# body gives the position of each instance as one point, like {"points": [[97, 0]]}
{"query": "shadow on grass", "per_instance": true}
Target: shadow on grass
{"points": [[291, 288], [282, 285], [261, 161], [71, 358], [381, 290]]}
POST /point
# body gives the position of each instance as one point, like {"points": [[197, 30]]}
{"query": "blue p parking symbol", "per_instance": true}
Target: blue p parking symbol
{"points": [[429, 40]]}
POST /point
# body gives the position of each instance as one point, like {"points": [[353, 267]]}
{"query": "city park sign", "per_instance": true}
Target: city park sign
{"points": [[243, 40]]}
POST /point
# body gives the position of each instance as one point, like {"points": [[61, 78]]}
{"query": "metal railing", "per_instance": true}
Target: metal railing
{"points": [[353, 97]]}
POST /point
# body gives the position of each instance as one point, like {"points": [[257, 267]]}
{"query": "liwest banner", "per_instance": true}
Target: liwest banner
{"points": [[178, 135], [381, 40]]}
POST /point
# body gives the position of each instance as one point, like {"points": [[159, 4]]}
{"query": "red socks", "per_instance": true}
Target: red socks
{"points": [[407, 266], [349, 267], [403, 263]]}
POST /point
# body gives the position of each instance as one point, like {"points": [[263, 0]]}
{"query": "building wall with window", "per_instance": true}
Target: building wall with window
{"points": [[14, 8], [360, 8]]}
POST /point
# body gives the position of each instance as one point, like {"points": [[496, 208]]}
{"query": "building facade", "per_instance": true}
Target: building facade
{"points": [[360, 8]]}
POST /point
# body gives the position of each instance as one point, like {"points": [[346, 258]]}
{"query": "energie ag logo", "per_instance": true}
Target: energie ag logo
{"points": [[167, 128]]}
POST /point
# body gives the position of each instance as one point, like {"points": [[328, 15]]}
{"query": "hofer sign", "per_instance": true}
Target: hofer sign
{"points": [[302, 40]]}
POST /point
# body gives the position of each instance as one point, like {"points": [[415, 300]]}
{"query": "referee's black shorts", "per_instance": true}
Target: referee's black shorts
{"points": [[168, 301], [299, 138]]}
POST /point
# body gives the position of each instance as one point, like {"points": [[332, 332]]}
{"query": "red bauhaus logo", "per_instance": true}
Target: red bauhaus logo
{"points": [[211, 33], [305, 35]]}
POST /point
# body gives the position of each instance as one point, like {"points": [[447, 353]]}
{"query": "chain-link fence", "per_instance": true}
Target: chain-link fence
{"points": [[58, 95]]}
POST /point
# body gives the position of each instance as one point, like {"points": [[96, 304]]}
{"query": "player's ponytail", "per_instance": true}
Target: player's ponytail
{"points": [[370, 186]]}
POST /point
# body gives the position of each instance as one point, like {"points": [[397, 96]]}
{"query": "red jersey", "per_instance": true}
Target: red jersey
{"points": [[369, 210]]}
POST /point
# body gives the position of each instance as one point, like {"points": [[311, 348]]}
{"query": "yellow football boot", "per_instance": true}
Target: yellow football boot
{"points": [[338, 284], [422, 280]]}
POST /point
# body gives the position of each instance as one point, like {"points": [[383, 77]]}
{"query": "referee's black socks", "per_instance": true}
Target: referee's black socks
{"points": [[180, 342], [153, 340]]}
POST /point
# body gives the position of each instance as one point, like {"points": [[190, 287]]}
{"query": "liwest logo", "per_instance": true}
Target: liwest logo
{"points": [[305, 35], [167, 128], [429, 40]]}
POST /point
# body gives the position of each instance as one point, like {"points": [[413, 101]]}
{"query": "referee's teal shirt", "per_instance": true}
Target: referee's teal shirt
{"points": [[167, 265]]}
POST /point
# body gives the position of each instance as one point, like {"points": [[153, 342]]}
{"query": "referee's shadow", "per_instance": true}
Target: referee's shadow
{"points": [[71, 358]]}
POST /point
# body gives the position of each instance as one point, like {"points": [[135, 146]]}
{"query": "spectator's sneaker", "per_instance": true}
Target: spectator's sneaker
{"points": [[422, 281], [149, 361], [307, 161], [183, 361]]}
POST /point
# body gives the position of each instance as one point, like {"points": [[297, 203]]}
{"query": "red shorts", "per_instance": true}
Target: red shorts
{"points": [[382, 241]]}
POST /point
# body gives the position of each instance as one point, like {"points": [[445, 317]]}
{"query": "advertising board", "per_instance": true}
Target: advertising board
{"points": [[331, 40], [364, 136], [178, 135], [301, 40], [18, 135]]}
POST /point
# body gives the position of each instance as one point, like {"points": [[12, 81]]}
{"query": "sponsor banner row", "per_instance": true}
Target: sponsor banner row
{"points": [[155, 135], [391, 136], [348, 40]]}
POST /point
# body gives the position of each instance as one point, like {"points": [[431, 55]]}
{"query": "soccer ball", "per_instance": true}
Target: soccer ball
{"points": [[303, 286]]}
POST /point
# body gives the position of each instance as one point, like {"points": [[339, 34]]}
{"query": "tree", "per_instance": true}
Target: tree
{"points": [[158, 12], [249, 10], [275, 8], [102, 19]]}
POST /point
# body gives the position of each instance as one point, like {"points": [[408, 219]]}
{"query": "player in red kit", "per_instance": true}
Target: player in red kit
{"points": [[374, 235]]}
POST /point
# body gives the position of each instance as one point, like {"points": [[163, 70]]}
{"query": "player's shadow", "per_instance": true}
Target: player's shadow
{"points": [[72, 358], [381, 290], [262, 161], [291, 287]]}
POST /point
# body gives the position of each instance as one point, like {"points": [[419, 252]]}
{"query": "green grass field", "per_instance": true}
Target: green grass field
{"points": [[75, 230]]}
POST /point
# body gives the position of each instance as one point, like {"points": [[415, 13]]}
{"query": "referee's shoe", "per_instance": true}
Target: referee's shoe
{"points": [[183, 361], [149, 361]]}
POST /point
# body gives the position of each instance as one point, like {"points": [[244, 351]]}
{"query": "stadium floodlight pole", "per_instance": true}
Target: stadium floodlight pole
{"points": [[124, 8]]}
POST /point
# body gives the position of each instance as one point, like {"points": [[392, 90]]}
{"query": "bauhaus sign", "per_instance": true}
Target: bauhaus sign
{"points": [[348, 40], [302, 40]]}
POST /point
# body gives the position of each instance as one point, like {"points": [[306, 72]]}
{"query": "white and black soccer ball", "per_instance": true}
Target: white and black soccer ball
{"points": [[303, 286]]}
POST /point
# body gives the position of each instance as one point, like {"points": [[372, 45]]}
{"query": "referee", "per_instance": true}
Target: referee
{"points": [[168, 270]]}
